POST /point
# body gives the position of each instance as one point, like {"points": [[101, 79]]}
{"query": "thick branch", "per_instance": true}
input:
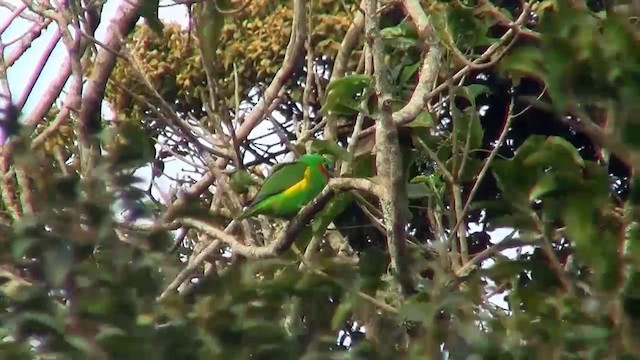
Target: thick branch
{"points": [[348, 45], [388, 157], [90, 120], [55, 86], [276, 247], [15, 12], [294, 52], [429, 72], [44, 57]]}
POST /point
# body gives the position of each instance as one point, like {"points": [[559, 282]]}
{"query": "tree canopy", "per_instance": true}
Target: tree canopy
{"points": [[483, 204]]}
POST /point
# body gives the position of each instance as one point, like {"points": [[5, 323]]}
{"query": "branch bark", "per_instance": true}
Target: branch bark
{"points": [[55, 86], [389, 158], [90, 120], [294, 52], [349, 43], [278, 246], [430, 66]]}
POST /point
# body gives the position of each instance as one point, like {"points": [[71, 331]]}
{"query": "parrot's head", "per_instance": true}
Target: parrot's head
{"points": [[317, 160]]}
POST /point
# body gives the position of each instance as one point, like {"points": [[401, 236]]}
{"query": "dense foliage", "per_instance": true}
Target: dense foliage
{"points": [[512, 165]]}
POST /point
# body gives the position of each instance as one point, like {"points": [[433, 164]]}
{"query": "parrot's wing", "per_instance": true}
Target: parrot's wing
{"points": [[284, 177]]}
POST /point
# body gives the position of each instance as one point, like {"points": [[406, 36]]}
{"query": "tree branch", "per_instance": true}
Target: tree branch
{"points": [[389, 158], [56, 85], [295, 51], [90, 120], [348, 45], [430, 66], [276, 247]]}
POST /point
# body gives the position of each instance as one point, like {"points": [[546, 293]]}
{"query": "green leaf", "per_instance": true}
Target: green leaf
{"points": [[21, 245], [209, 25], [132, 147], [342, 313], [241, 181], [347, 95], [79, 344], [556, 152], [418, 191], [149, 11], [466, 30], [407, 73], [327, 147], [434, 182], [423, 120], [471, 92], [522, 62], [474, 90], [514, 179], [335, 206], [57, 263], [471, 169], [630, 134], [589, 333], [404, 29], [594, 239], [371, 266], [468, 120], [467, 127], [552, 183], [40, 320], [414, 310], [531, 145]]}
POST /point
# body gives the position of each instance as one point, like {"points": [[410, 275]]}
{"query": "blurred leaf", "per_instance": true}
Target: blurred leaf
{"points": [[38, 322], [342, 313], [466, 30], [423, 120], [346, 95], [241, 180], [149, 11], [552, 183], [471, 169], [408, 72], [434, 182], [418, 191], [131, 146], [404, 29], [400, 37], [364, 146], [414, 310], [328, 147], [372, 264], [522, 62], [58, 261], [556, 152], [210, 23], [530, 146], [467, 123], [21, 245], [630, 132]]}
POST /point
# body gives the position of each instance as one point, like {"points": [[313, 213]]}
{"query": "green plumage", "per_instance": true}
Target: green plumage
{"points": [[290, 187]]}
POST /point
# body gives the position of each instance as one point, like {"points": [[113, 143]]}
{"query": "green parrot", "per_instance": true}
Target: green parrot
{"points": [[290, 187]]}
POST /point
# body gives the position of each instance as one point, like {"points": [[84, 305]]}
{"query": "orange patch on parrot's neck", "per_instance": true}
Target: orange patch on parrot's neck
{"points": [[324, 171]]}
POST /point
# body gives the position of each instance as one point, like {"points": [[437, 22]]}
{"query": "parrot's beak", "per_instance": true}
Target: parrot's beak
{"points": [[328, 171]]}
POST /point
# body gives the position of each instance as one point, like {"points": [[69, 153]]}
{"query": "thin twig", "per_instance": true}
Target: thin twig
{"points": [[484, 170]]}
